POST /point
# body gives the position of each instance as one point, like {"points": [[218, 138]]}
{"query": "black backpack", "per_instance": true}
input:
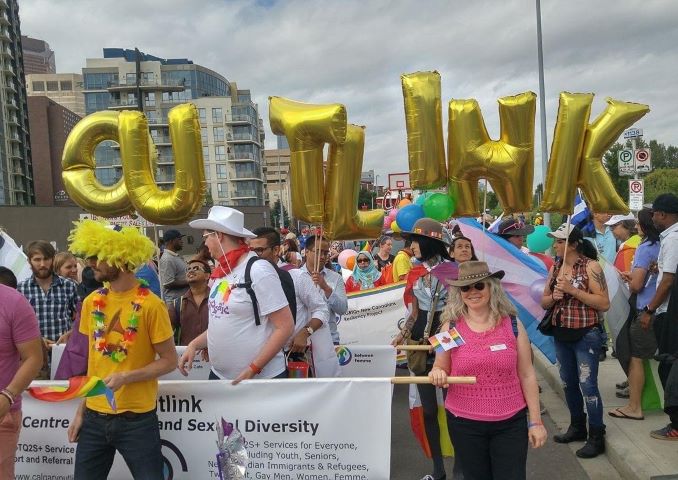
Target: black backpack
{"points": [[285, 281]]}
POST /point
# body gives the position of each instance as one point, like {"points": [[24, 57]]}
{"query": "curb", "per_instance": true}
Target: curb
{"points": [[622, 453]]}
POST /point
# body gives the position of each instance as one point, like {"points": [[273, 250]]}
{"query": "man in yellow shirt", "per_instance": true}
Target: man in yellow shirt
{"points": [[402, 264], [127, 326]]}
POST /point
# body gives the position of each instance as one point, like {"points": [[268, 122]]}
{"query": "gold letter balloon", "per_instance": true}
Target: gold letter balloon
{"points": [[335, 202], [137, 189], [507, 163], [577, 151], [424, 123]]}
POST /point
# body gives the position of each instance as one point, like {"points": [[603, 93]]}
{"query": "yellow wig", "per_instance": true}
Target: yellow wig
{"points": [[121, 247]]}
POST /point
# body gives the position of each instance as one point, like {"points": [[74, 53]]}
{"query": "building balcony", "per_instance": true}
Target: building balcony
{"points": [[158, 121], [243, 194], [10, 86], [242, 157], [12, 104], [241, 177], [6, 52], [8, 68], [162, 140], [147, 85], [164, 179], [4, 33], [243, 138], [13, 120], [239, 119], [15, 138], [3, 18], [123, 104]]}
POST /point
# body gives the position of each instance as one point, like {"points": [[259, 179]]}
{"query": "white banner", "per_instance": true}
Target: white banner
{"points": [[293, 429], [374, 317], [355, 361]]}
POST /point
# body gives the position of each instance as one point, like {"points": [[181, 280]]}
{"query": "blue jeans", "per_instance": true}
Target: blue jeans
{"points": [[579, 372], [135, 435]]}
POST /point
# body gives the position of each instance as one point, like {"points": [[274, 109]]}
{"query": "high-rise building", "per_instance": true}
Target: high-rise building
{"points": [[277, 168], [38, 57], [16, 171], [64, 88], [232, 133], [50, 125]]}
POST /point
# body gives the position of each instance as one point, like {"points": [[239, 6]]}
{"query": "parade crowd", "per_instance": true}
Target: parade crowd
{"points": [[250, 302]]}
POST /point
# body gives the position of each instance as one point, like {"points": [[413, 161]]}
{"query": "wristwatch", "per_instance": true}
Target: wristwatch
{"points": [[646, 309], [310, 330]]}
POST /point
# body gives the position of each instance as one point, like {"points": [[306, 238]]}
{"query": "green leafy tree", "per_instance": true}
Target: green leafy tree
{"points": [[366, 199], [660, 181], [275, 215]]}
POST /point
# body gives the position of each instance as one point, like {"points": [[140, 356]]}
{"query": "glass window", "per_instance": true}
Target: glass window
{"points": [[131, 79], [201, 114], [96, 101], [222, 190], [205, 152], [222, 171], [52, 86], [98, 81], [219, 153], [203, 134], [66, 86], [207, 172], [217, 115], [38, 86], [218, 133], [149, 98]]}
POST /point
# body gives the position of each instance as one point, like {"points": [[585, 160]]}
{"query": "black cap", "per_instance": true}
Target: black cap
{"points": [[172, 235], [511, 227], [666, 202]]}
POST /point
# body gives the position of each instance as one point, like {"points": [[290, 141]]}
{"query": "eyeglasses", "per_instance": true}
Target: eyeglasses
{"points": [[259, 250], [364, 260], [480, 286]]}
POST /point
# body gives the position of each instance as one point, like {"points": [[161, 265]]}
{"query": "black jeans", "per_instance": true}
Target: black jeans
{"points": [[491, 450], [135, 435]]}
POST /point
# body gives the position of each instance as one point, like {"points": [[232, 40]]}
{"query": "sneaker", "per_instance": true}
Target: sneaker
{"points": [[623, 393], [622, 385], [666, 433]]}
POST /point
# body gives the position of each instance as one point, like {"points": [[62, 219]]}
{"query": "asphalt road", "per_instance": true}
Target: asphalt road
{"points": [[409, 463]]}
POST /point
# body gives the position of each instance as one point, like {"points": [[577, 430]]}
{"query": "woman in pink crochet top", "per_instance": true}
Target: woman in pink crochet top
{"points": [[488, 421]]}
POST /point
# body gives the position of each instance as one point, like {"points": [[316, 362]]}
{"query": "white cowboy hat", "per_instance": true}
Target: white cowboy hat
{"points": [[225, 220]]}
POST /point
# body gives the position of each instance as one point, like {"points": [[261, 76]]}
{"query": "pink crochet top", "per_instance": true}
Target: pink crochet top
{"points": [[492, 357]]}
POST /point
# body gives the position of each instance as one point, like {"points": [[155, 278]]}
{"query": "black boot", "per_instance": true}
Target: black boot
{"points": [[576, 431], [595, 445]]}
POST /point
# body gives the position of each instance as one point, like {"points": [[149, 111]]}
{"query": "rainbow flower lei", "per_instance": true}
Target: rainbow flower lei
{"points": [[116, 352]]}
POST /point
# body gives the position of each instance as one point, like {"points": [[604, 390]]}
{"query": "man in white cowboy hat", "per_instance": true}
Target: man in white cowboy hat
{"points": [[239, 346]]}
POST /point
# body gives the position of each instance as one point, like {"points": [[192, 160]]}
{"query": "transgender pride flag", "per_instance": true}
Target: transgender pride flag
{"points": [[522, 270]]}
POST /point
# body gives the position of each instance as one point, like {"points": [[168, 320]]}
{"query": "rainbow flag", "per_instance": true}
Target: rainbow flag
{"points": [[445, 341], [419, 429], [78, 387]]}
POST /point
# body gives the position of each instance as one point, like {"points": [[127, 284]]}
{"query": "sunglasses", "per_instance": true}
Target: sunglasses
{"points": [[513, 226], [480, 286], [364, 260]]}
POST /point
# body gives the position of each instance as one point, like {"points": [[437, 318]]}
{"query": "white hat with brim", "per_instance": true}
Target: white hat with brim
{"points": [[225, 220], [615, 219], [562, 232]]}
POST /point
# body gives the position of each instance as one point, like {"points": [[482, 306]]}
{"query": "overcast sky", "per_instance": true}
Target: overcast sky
{"points": [[353, 52]]}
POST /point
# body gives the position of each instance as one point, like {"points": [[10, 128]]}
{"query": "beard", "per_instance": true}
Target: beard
{"points": [[106, 275], [42, 273]]}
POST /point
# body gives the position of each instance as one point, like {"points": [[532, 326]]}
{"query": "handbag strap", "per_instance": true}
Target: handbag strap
{"points": [[432, 312]]}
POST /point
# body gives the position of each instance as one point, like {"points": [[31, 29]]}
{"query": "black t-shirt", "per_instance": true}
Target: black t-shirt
{"points": [[382, 263]]}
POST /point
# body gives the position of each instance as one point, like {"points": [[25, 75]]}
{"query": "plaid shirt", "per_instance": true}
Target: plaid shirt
{"points": [[570, 312], [56, 308]]}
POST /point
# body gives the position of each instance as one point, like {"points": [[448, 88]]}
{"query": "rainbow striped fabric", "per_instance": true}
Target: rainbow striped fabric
{"points": [[78, 387], [445, 341]]}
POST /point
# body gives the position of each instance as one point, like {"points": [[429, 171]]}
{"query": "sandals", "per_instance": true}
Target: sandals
{"points": [[616, 413]]}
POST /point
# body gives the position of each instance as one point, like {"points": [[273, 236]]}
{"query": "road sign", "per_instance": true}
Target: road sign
{"points": [[636, 195], [642, 157], [633, 133], [625, 163]]}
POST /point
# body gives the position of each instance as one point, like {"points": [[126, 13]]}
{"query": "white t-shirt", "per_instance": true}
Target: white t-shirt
{"points": [[233, 338], [668, 259]]}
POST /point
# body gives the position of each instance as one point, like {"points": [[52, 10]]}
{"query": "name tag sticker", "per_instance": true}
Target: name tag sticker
{"points": [[496, 348]]}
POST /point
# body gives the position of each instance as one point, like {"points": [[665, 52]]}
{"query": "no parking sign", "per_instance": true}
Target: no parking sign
{"points": [[636, 194], [642, 160]]}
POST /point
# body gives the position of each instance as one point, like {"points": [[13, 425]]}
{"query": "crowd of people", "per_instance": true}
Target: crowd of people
{"points": [[252, 301]]}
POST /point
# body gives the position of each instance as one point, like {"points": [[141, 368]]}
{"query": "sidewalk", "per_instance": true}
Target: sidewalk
{"points": [[629, 447]]}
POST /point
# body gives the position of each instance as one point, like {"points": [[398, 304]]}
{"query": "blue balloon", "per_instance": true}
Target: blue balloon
{"points": [[408, 216]]}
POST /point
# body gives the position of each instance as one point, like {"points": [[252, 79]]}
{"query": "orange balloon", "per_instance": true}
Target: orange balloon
{"points": [[404, 202], [350, 263]]}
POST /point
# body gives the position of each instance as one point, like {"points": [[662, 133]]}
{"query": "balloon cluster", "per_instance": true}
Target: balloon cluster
{"points": [[438, 206]]}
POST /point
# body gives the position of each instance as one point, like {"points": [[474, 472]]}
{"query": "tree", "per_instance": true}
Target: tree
{"points": [[660, 181], [275, 215], [366, 197], [492, 200]]}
